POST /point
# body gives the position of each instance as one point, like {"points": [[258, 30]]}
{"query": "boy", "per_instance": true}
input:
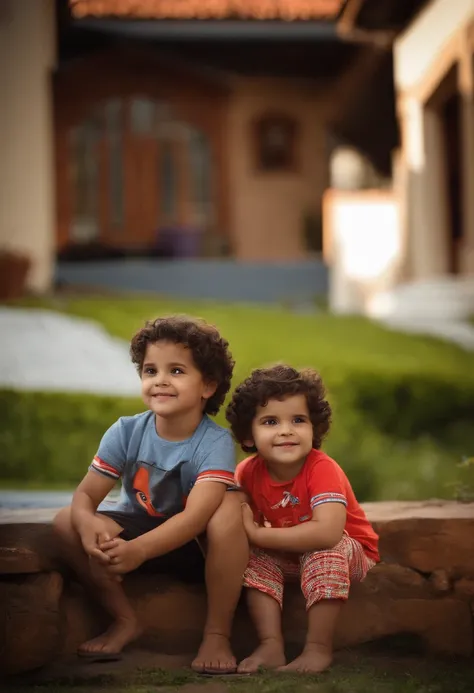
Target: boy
{"points": [[175, 465], [304, 522]]}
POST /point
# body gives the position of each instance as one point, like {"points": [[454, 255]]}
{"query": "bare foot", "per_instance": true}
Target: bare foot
{"points": [[214, 656], [119, 634], [270, 654], [313, 660]]}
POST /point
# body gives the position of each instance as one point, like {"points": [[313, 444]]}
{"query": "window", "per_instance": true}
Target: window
{"points": [[142, 116], [201, 184], [114, 129], [168, 180], [275, 138], [85, 173]]}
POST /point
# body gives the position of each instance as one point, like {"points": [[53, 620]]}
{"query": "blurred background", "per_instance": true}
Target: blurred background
{"points": [[298, 172]]}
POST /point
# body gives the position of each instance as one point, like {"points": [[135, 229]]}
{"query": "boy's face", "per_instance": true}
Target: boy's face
{"points": [[282, 431], [171, 384]]}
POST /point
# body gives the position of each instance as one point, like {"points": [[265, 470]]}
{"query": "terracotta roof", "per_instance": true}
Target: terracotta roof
{"points": [[208, 9]]}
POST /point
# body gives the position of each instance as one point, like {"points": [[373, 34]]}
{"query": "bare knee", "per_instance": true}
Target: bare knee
{"points": [[227, 520], [62, 524]]}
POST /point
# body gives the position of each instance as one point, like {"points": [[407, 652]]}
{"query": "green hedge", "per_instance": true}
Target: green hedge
{"points": [[396, 436], [49, 437], [409, 406]]}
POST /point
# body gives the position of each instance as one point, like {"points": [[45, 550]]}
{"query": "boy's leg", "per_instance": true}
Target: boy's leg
{"points": [[264, 580], [107, 590], [226, 561], [325, 582]]}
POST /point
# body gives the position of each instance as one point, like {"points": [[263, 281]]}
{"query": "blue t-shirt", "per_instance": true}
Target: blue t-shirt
{"points": [[157, 475]]}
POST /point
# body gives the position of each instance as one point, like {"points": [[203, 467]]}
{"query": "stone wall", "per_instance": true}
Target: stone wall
{"points": [[424, 588]]}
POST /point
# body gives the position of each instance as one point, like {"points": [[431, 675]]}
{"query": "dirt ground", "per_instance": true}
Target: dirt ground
{"points": [[355, 671]]}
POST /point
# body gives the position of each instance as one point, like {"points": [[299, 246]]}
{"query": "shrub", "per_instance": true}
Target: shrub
{"points": [[49, 439], [410, 406]]}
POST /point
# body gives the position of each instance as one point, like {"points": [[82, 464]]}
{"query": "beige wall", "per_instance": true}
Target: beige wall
{"points": [[27, 56], [268, 208], [436, 41], [421, 44]]}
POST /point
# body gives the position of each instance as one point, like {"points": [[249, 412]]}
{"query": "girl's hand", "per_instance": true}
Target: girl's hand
{"points": [[251, 527]]}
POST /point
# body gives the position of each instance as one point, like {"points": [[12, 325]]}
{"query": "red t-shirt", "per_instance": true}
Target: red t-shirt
{"points": [[288, 503]]}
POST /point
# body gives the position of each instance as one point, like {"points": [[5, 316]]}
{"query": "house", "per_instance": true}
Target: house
{"points": [[192, 138], [434, 79]]}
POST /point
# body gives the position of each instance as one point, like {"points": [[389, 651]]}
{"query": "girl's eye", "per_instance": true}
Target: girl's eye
{"points": [[150, 371], [176, 371], [298, 419], [269, 422]]}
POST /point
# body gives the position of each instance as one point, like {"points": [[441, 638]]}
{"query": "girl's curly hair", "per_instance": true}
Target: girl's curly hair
{"points": [[278, 382], [210, 351]]}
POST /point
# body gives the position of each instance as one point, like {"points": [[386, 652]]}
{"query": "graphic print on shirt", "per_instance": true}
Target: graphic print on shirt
{"points": [[158, 491], [287, 500]]}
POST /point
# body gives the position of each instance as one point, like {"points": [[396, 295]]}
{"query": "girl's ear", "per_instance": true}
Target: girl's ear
{"points": [[249, 445]]}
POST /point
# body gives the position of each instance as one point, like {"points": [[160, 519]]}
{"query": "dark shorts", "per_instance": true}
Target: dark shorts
{"points": [[186, 563]]}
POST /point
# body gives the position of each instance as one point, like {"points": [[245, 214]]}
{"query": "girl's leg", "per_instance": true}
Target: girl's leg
{"points": [[264, 580], [317, 653], [325, 581]]}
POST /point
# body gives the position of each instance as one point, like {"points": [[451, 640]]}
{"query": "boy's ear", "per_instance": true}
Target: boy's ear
{"points": [[209, 390]]}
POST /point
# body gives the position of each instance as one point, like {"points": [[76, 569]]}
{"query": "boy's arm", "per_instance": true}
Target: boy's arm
{"points": [[178, 530], [89, 494], [323, 531], [201, 505], [91, 528]]}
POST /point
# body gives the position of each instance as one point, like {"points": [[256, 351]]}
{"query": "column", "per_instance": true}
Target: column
{"points": [[27, 57], [466, 88], [424, 197]]}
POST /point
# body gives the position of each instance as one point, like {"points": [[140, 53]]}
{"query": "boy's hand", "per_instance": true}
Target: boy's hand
{"points": [[93, 533], [251, 527], [99, 572], [123, 556]]}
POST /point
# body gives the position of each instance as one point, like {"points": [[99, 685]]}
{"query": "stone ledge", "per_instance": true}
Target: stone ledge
{"points": [[424, 587]]}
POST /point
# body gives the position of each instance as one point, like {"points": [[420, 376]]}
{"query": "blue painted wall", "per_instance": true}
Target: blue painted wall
{"points": [[225, 280]]}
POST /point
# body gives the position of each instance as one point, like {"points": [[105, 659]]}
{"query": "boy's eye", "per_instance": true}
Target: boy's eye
{"points": [[149, 371]]}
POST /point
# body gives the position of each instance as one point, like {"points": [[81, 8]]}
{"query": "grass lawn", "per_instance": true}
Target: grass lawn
{"points": [[403, 404], [352, 675], [267, 334]]}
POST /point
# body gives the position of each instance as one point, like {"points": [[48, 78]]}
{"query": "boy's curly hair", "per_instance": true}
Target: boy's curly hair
{"points": [[278, 382], [210, 351]]}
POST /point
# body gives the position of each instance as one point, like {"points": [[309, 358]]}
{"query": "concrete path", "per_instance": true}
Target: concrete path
{"points": [[459, 333], [42, 350]]}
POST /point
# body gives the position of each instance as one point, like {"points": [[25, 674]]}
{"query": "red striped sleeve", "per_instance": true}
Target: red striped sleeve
{"points": [[221, 475], [104, 468]]}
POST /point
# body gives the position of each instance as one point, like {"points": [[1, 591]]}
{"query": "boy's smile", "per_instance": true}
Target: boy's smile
{"points": [[172, 385]]}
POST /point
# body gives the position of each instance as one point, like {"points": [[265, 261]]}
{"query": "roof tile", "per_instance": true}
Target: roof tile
{"points": [[289, 10]]}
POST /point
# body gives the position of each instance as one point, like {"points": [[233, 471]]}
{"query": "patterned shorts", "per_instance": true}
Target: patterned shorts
{"points": [[324, 574]]}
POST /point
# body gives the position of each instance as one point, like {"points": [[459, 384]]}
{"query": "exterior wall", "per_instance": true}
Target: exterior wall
{"points": [[268, 208], [436, 41], [295, 283], [27, 57], [422, 44]]}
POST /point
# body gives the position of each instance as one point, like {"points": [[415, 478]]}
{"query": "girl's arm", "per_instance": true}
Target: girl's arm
{"points": [[323, 531]]}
